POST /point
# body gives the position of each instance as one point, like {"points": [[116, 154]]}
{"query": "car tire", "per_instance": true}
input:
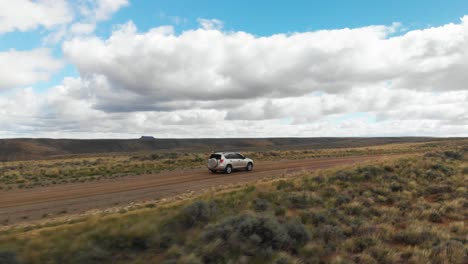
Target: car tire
{"points": [[228, 169], [249, 167]]}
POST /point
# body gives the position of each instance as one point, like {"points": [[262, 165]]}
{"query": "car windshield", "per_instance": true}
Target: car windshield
{"points": [[215, 156]]}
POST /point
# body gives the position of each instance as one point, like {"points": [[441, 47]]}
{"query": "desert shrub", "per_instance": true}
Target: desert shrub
{"points": [[380, 254], [465, 170], [298, 200], [190, 259], [284, 185], [449, 252], [396, 188], [413, 238], [342, 199], [432, 155], [91, 255], [260, 205], [284, 258], [318, 218], [198, 159], [353, 209], [162, 241], [453, 155], [155, 156], [297, 233], [446, 170], [369, 172], [360, 244], [438, 189], [121, 241], [280, 211], [342, 175], [8, 257], [198, 212], [360, 174], [435, 217], [261, 232], [253, 235], [329, 233], [170, 261]]}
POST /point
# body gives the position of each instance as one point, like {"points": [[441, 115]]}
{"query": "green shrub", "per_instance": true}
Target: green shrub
{"points": [[284, 185], [280, 211], [396, 188], [438, 189], [260, 205], [253, 235], [449, 252], [329, 233], [297, 233], [361, 243], [198, 212], [435, 217], [453, 155], [298, 200], [413, 238], [91, 255], [342, 199], [8, 257]]}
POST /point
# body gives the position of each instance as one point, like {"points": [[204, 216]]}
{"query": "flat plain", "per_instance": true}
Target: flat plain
{"points": [[403, 202]]}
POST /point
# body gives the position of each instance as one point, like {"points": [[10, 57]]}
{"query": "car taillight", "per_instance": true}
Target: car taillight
{"points": [[221, 161]]}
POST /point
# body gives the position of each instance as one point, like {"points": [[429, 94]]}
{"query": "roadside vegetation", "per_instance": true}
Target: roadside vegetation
{"points": [[412, 210], [74, 169]]}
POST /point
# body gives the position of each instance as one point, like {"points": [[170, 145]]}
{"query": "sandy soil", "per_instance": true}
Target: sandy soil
{"points": [[26, 205]]}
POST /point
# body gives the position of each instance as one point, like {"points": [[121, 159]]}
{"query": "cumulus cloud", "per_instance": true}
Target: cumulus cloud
{"points": [[206, 82], [88, 13], [25, 15], [207, 64], [100, 10], [82, 28], [26, 67], [68, 110]]}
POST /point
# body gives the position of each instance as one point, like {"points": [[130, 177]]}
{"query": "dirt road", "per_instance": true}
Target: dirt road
{"points": [[22, 205]]}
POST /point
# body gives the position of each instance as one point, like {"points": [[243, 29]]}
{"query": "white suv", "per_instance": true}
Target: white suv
{"points": [[229, 161]]}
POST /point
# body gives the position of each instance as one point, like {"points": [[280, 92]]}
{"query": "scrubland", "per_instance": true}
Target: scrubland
{"points": [[410, 210], [86, 168]]}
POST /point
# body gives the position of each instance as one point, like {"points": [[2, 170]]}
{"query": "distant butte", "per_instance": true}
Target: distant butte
{"points": [[147, 138]]}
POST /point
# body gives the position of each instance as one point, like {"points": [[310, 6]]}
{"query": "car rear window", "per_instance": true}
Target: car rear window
{"points": [[215, 156]]}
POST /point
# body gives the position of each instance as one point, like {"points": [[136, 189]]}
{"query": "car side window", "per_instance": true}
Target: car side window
{"points": [[229, 156], [238, 156]]}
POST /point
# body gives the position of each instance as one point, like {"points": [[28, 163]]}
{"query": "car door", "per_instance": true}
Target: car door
{"points": [[240, 161], [231, 159]]}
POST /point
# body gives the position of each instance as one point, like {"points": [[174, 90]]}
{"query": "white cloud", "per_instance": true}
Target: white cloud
{"points": [[210, 83], [210, 23], [159, 67], [25, 15], [100, 10], [26, 67], [82, 28], [89, 14], [68, 110]]}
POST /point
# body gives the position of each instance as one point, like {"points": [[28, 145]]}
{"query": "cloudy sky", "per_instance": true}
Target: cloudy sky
{"points": [[121, 69]]}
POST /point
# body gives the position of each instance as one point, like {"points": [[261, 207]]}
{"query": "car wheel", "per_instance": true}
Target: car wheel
{"points": [[249, 167], [228, 169]]}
